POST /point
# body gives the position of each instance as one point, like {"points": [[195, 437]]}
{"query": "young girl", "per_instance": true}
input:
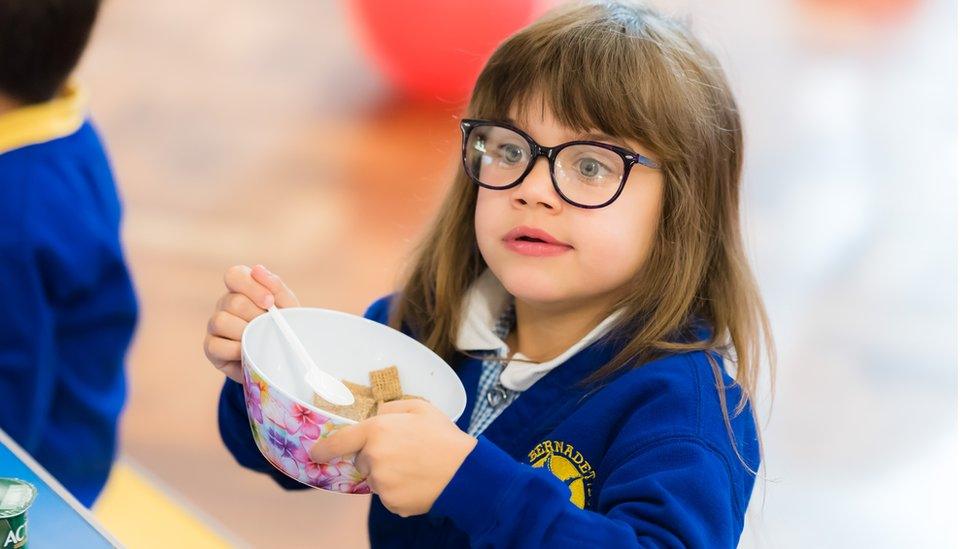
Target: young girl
{"points": [[586, 279]]}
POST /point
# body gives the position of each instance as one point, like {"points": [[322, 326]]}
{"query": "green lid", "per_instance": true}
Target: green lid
{"points": [[16, 496]]}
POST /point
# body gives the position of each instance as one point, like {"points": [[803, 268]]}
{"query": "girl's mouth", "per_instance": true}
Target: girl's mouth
{"points": [[534, 242]]}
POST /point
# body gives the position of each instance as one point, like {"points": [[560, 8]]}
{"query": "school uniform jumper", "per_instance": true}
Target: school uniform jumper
{"points": [[645, 460], [68, 306]]}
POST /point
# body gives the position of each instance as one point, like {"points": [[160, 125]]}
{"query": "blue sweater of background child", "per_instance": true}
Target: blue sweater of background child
{"points": [[69, 308], [644, 461]]}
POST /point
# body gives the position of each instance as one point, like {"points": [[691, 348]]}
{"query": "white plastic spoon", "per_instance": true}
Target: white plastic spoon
{"points": [[324, 385]]}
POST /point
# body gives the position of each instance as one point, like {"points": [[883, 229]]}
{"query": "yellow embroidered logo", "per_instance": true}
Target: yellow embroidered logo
{"points": [[568, 465]]}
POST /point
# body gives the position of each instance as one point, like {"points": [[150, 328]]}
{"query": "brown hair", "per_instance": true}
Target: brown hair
{"points": [[630, 72]]}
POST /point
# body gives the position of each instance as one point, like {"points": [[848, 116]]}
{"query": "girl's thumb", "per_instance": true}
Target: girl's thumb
{"points": [[283, 297]]}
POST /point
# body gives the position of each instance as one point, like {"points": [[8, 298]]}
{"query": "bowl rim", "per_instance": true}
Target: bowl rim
{"points": [[247, 360]]}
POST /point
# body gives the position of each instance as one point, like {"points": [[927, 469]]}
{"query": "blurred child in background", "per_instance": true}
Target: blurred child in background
{"points": [[69, 308]]}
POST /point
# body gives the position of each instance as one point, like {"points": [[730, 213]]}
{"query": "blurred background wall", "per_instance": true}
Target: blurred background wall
{"points": [[248, 131]]}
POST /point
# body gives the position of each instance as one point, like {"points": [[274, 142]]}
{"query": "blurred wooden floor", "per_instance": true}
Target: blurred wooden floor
{"points": [[245, 132]]}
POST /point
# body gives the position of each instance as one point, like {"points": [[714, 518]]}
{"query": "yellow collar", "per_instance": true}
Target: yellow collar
{"points": [[42, 122]]}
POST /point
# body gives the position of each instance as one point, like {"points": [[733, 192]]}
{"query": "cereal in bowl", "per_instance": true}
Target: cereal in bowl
{"points": [[384, 387]]}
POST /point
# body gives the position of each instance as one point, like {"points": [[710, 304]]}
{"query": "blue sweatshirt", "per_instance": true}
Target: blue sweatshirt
{"points": [[69, 308], [643, 461]]}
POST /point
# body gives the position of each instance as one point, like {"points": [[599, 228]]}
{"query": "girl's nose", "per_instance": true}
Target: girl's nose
{"points": [[537, 189]]}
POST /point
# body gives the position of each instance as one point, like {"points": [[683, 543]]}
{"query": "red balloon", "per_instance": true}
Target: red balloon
{"points": [[434, 49]]}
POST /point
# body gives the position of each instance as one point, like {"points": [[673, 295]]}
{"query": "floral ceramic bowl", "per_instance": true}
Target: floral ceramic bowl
{"points": [[286, 424]]}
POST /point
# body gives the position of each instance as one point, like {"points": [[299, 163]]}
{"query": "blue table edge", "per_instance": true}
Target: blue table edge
{"points": [[56, 486]]}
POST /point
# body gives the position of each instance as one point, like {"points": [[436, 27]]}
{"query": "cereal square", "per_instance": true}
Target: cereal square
{"points": [[357, 411], [357, 389], [385, 384]]}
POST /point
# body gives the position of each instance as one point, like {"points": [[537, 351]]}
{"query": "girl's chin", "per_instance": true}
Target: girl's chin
{"points": [[533, 287]]}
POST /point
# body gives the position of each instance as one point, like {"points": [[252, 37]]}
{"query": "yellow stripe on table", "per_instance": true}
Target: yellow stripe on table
{"points": [[137, 511]]}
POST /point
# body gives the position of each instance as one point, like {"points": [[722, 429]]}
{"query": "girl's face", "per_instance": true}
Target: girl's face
{"points": [[603, 247]]}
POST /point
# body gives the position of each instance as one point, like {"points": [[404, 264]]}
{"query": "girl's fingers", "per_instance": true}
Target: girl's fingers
{"points": [[239, 305], [345, 441], [226, 325], [238, 280], [219, 349], [283, 297], [232, 370], [405, 406], [361, 463]]}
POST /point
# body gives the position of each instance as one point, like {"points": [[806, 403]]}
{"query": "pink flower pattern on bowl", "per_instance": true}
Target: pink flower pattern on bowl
{"points": [[285, 432]]}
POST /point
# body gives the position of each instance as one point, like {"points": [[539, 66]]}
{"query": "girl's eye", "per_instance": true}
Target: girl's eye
{"points": [[591, 168], [512, 154]]}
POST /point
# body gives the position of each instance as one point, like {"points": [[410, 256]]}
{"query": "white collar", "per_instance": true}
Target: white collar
{"points": [[484, 303]]}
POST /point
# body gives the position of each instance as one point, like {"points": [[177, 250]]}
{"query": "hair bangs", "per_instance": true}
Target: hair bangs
{"points": [[596, 75]]}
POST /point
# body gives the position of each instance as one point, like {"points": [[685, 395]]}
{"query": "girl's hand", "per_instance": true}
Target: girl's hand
{"points": [[409, 452], [249, 293]]}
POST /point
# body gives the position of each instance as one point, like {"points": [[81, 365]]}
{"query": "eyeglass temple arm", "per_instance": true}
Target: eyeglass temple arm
{"points": [[647, 162]]}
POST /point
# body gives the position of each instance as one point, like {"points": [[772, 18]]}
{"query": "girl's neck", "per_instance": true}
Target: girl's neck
{"points": [[543, 333]]}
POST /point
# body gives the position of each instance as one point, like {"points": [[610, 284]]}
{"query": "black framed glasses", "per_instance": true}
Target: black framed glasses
{"points": [[586, 174]]}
